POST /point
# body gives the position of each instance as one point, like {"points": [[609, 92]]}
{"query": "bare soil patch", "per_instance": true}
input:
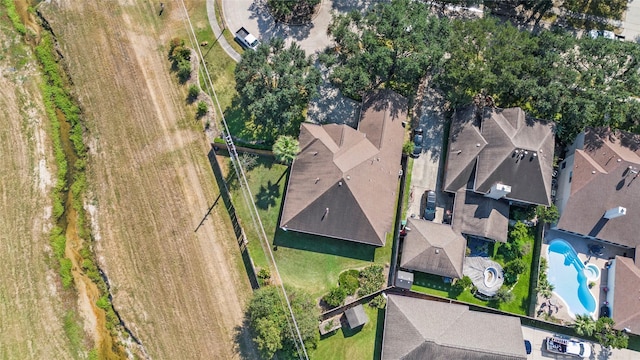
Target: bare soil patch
{"points": [[181, 292]]}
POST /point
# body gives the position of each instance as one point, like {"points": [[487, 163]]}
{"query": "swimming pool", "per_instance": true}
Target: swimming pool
{"points": [[569, 279]]}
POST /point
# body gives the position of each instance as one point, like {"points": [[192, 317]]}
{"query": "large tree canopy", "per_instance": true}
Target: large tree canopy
{"points": [[271, 323], [551, 75], [394, 44], [275, 84]]}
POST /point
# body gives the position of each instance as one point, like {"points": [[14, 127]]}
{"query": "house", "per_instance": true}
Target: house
{"points": [[423, 329], [496, 157], [622, 295], [343, 183], [356, 316], [433, 248], [599, 189]]}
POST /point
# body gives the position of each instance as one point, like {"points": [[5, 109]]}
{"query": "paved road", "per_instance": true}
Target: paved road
{"points": [[537, 336], [428, 167], [631, 24], [312, 38]]}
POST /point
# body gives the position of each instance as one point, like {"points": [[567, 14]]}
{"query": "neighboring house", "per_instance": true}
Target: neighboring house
{"points": [[624, 287], [422, 329], [343, 183], [433, 248], [496, 157], [599, 189]]}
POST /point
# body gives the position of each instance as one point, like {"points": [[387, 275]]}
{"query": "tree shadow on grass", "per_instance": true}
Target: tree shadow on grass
{"points": [[325, 245], [243, 342], [267, 195]]}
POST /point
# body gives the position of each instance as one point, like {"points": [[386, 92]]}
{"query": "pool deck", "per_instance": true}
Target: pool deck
{"points": [[558, 309]]}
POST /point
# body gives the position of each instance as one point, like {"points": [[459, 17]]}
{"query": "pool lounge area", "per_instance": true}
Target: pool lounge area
{"points": [[594, 270]]}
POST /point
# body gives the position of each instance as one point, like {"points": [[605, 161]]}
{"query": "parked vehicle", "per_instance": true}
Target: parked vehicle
{"points": [[602, 33], [417, 145], [247, 40], [430, 207], [564, 345]]}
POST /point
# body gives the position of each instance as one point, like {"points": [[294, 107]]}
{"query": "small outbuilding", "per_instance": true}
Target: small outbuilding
{"points": [[404, 280], [356, 316]]}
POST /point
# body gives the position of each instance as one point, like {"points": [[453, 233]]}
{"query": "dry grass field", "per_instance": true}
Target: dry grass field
{"points": [[32, 303], [181, 292]]}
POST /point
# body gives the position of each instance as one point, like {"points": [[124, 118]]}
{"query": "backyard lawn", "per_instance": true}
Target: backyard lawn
{"points": [[310, 262], [432, 284], [348, 344]]}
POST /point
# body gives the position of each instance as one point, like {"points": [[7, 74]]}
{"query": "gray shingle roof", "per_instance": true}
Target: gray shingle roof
{"points": [[626, 304], [343, 182], [600, 182], [422, 329], [433, 248], [356, 316], [480, 216], [490, 146]]}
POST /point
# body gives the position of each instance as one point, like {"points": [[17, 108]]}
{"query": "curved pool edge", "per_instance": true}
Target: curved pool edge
{"points": [[576, 263]]}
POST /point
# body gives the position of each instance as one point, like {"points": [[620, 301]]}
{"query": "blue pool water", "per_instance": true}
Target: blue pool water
{"points": [[566, 273]]}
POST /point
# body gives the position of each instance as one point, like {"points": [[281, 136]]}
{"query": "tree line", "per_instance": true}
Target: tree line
{"points": [[551, 74]]}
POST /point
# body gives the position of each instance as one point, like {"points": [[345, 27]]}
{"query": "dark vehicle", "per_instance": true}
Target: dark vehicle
{"points": [[527, 346], [430, 208], [246, 39], [417, 145]]}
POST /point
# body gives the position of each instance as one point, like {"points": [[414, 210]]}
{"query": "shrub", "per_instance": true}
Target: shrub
{"points": [[371, 280], [512, 270], [504, 295], [349, 281], [548, 214], [194, 91], [378, 302], [264, 274], [335, 297], [407, 147], [184, 70], [202, 108]]}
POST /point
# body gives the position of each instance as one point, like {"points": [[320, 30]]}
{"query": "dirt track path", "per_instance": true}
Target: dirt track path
{"points": [[31, 309], [182, 293]]}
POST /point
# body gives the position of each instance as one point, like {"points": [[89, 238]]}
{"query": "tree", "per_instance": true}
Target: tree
{"points": [[275, 85], [584, 325], [548, 214], [285, 149], [512, 269], [395, 44], [284, 10], [609, 337], [271, 323]]}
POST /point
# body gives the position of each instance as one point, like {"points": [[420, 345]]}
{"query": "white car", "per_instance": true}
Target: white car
{"points": [[602, 33], [563, 345]]}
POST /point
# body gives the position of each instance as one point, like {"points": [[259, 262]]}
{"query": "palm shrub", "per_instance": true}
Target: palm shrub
{"points": [[504, 295], [584, 325], [285, 149]]}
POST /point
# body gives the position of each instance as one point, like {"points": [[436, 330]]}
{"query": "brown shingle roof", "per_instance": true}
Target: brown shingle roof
{"points": [[491, 147], [626, 299], [352, 173], [600, 182], [422, 329], [481, 216], [433, 248]]}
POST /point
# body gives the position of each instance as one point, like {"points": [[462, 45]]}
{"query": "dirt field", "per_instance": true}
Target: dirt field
{"points": [[31, 308], [181, 292]]}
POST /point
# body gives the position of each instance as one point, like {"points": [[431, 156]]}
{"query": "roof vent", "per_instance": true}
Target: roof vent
{"points": [[339, 183], [315, 153], [593, 171], [477, 144], [615, 212], [619, 160], [348, 177], [317, 179], [437, 251]]}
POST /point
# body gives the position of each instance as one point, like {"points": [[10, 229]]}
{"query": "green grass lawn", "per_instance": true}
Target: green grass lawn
{"points": [[305, 261], [348, 344], [433, 284]]}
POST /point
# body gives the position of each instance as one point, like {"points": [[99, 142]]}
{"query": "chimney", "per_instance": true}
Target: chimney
{"points": [[498, 191], [615, 212]]}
